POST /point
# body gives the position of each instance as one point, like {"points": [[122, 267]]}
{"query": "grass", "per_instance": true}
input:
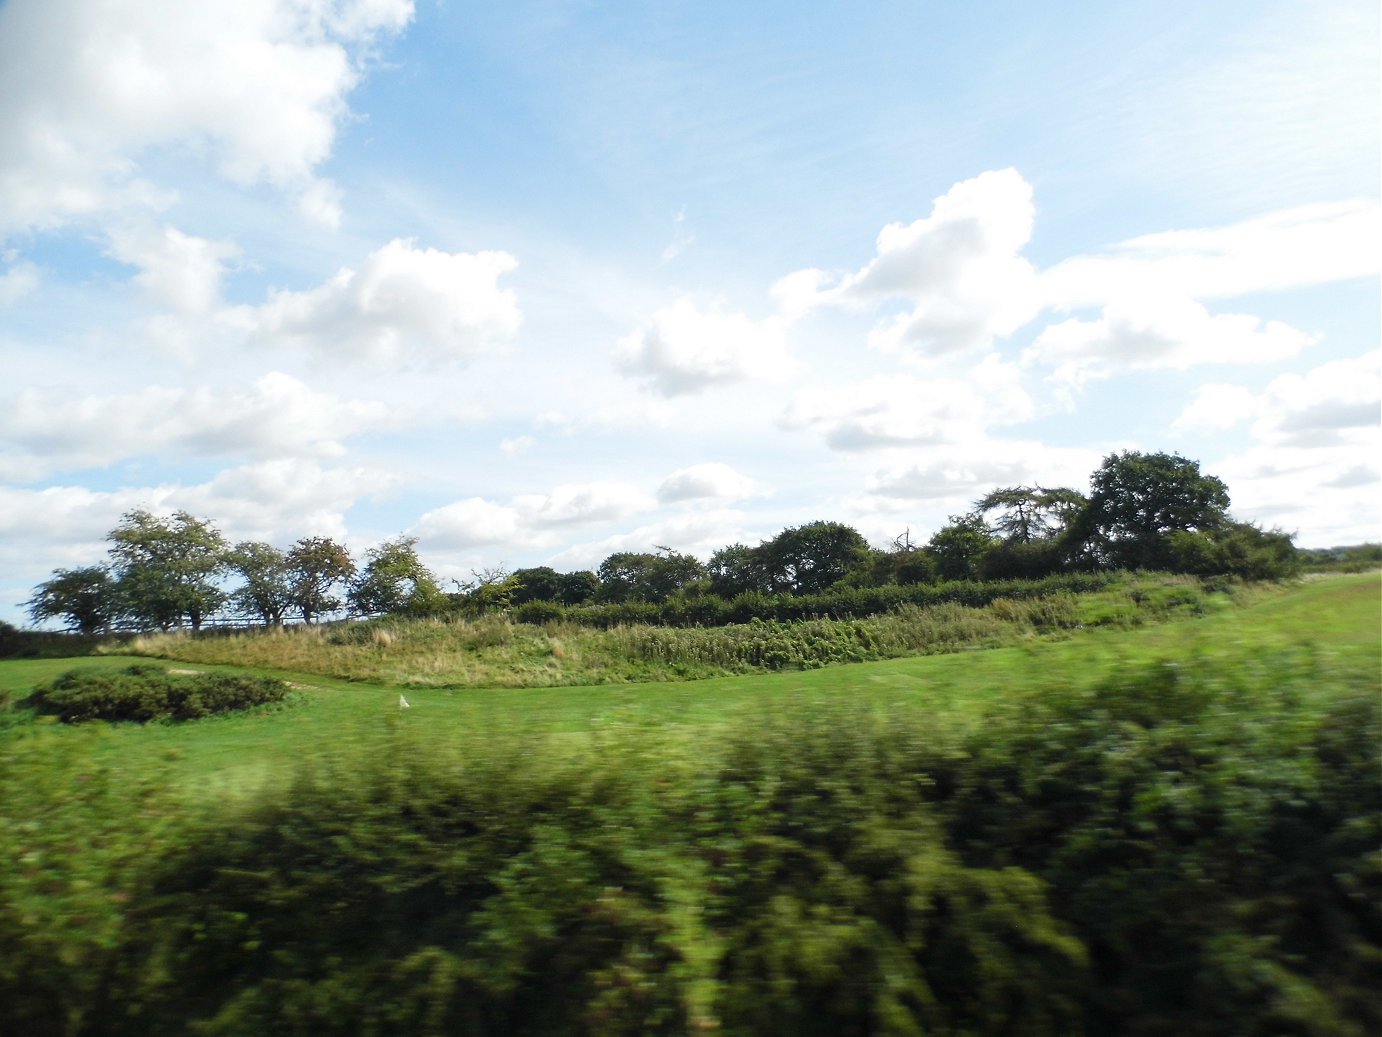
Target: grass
{"points": [[336, 717]]}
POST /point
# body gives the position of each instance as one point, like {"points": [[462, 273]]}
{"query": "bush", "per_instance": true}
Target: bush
{"points": [[539, 612], [144, 692]]}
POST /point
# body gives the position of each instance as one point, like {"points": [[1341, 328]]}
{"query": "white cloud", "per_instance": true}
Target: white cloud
{"points": [[1336, 403], [67, 523], [1317, 437], [283, 499], [1149, 333], [278, 501], [682, 237], [710, 481], [528, 520], [474, 522], [277, 416], [93, 87], [320, 202], [1217, 407], [1330, 494], [936, 482], [516, 446], [403, 302], [19, 279], [578, 504], [621, 417], [961, 268], [699, 533], [684, 350], [1290, 248], [177, 270], [908, 411]]}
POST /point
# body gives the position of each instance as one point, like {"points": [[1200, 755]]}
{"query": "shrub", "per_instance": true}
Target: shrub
{"points": [[144, 692]]}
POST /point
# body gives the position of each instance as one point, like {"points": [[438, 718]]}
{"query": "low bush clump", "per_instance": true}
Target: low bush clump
{"points": [[143, 692]]}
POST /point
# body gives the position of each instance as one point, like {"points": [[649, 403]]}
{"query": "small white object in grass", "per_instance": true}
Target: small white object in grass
{"points": [[403, 703]]}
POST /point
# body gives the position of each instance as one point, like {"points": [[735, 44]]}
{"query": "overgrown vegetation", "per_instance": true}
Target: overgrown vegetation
{"points": [[1354, 559], [1146, 834], [144, 692], [495, 651]]}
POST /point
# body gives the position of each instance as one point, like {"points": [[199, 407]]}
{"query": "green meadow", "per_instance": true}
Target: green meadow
{"points": [[1113, 826]]}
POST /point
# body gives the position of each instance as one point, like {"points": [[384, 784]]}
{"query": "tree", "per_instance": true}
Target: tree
{"points": [[1028, 513], [489, 590], [1139, 499], [808, 559], [906, 563], [168, 570], [395, 580], [316, 566], [267, 590], [578, 587], [737, 569], [541, 583], [959, 548], [1237, 549], [644, 576], [84, 599]]}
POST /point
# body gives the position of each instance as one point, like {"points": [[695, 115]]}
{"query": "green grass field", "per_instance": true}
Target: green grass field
{"points": [[86, 810]]}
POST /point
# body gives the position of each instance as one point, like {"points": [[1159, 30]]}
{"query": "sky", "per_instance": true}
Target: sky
{"points": [[539, 281]]}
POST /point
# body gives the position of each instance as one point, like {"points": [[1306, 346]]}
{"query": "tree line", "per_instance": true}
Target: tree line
{"points": [[1153, 511]]}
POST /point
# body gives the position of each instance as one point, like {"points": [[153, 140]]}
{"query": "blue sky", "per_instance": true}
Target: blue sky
{"points": [[535, 282]]}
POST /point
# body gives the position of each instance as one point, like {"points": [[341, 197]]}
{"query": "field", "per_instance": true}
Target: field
{"points": [[1131, 828]]}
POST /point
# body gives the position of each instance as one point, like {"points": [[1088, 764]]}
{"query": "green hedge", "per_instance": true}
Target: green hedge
{"points": [[840, 603], [145, 692]]}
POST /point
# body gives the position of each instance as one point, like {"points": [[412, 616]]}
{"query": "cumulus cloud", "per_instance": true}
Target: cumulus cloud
{"points": [[474, 522], [403, 302], [577, 504], [1332, 404], [1217, 407], [177, 270], [92, 87], [956, 475], [1290, 248], [529, 520], [685, 350], [922, 488], [282, 499], [277, 501], [1329, 493], [278, 415], [710, 481], [700, 533], [960, 268], [908, 411], [1149, 333], [68, 523]]}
